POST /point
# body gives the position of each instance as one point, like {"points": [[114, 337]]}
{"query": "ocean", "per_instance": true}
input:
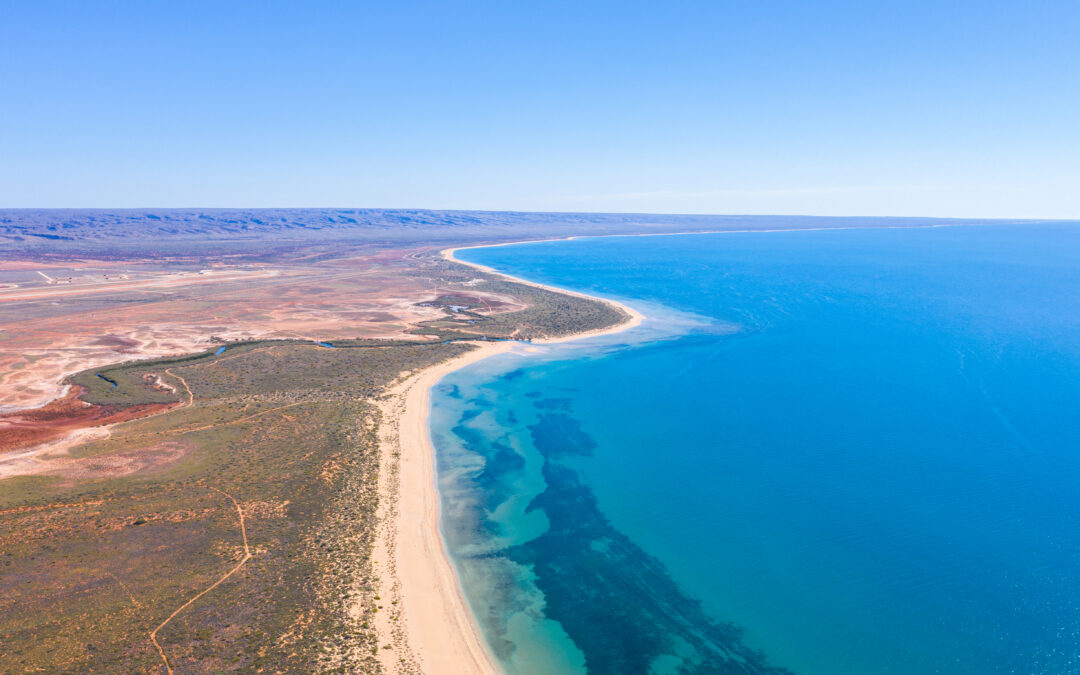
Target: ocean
{"points": [[833, 451]]}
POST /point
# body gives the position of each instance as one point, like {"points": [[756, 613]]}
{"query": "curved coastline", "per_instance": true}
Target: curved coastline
{"points": [[440, 631], [634, 317]]}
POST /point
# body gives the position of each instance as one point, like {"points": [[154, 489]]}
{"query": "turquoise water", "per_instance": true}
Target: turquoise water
{"points": [[831, 452]]}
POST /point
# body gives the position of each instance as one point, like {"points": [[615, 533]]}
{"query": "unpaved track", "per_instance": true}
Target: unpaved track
{"points": [[190, 396], [234, 570]]}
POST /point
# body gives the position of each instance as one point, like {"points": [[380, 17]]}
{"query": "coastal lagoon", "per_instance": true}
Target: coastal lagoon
{"points": [[835, 451]]}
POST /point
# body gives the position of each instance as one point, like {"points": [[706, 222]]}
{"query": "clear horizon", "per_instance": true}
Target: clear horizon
{"points": [[823, 109], [109, 209]]}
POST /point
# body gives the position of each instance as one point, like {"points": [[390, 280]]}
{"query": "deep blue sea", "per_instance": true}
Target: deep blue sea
{"points": [[851, 451]]}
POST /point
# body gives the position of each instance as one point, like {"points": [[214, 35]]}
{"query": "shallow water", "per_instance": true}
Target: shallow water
{"points": [[832, 451]]}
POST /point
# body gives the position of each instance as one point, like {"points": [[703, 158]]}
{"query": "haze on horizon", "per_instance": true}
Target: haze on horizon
{"points": [[963, 109]]}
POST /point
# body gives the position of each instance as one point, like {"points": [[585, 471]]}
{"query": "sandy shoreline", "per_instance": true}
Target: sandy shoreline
{"points": [[635, 317], [434, 630]]}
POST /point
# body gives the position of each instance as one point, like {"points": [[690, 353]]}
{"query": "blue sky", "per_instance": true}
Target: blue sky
{"points": [[831, 108]]}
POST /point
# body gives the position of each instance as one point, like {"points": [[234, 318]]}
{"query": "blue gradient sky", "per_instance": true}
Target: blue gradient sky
{"points": [[848, 108]]}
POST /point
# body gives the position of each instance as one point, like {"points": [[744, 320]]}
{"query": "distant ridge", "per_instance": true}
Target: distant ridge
{"points": [[50, 228]]}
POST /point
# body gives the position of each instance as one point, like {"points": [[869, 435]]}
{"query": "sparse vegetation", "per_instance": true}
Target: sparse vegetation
{"points": [[547, 314], [92, 563]]}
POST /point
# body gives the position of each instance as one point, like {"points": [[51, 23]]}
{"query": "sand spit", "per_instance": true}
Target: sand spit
{"points": [[634, 317]]}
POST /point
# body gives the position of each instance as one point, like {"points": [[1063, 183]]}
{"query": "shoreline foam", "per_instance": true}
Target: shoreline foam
{"points": [[438, 631]]}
